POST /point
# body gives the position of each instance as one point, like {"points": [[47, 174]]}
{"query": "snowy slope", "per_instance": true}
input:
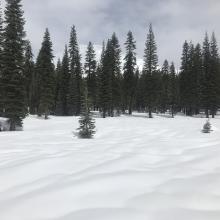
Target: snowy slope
{"points": [[135, 169]]}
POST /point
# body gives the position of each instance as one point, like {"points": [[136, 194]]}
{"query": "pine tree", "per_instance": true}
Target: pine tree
{"points": [[139, 91], [207, 84], [165, 92], [87, 123], [75, 86], [198, 76], [58, 73], [173, 87], [63, 93], [46, 77], [110, 97], [184, 74], [115, 75], [214, 76], [91, 77], [1, 62], [29, 76], [13, 62], [105, 95], [150, 68], [191, 79], [104, 80], [129, 72]]}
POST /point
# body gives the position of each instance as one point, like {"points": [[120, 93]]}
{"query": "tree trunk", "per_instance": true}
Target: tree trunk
{"points": [[150, 113], [207, 113], [12, 125]]}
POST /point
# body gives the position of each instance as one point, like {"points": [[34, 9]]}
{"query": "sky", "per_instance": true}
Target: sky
{"points": [[174, 21]]}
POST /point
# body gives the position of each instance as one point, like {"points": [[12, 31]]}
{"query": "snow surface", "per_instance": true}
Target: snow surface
{"points": [[134, 169]]}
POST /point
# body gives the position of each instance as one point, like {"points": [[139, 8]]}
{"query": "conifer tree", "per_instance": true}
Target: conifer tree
{"points": [[165, 92], [46, 77], [173, 88], [129, 72], [75, 86], [207, 86], [150, 68], [105, 95], [115, 75], [58, 73], [139, 91], [198, 77], [29, 76], [1, 62], [64, 78], [184, 74], [111, 79], [214, 76], [91, 77], [87, 123], [104, 80], [13, 63], [191, 78]]}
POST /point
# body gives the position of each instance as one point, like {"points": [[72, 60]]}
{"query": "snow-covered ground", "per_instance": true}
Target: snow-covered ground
{"points": [[134, 169]]}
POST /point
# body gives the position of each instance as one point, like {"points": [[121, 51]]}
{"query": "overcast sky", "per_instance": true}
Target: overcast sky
{"points": [[173, 22]]}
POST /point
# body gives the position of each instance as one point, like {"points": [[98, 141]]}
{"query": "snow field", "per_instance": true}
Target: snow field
{"points": [[134, 169]]}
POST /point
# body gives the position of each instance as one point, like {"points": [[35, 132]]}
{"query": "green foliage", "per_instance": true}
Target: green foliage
{"points": [[110, 92], [1, 62], [129, 82], [150, 72], [91, 75], [104, 81], [12, 76], [75, 86], [87, 123], [63, 77], [174, 91], [45, 77], [29, 75]]}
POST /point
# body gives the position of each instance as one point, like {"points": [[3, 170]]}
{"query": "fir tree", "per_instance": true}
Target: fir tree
{"points": [[46, 77], [173, 87], [207, 84], [75, 86], [115, 75], [64, 78], [58, 73], [91, 77], [150, 68], [214, 78], [29, 76], [1, 63], [191, 79], [110, 78], [139, 91], [184, 77], [105, 94], [87, 123], [13, 63], [104, 80], [165, 89], [129, 72], [198, 77]]}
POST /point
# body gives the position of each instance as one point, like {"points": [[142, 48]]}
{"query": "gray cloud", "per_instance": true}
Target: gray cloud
{"points": [[173, 21]]}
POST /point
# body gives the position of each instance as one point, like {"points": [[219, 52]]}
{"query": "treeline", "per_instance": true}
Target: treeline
{"points": [[114, 87]]}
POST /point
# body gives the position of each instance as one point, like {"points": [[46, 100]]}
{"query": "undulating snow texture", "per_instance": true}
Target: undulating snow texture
{"points": [[134, 169]]}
